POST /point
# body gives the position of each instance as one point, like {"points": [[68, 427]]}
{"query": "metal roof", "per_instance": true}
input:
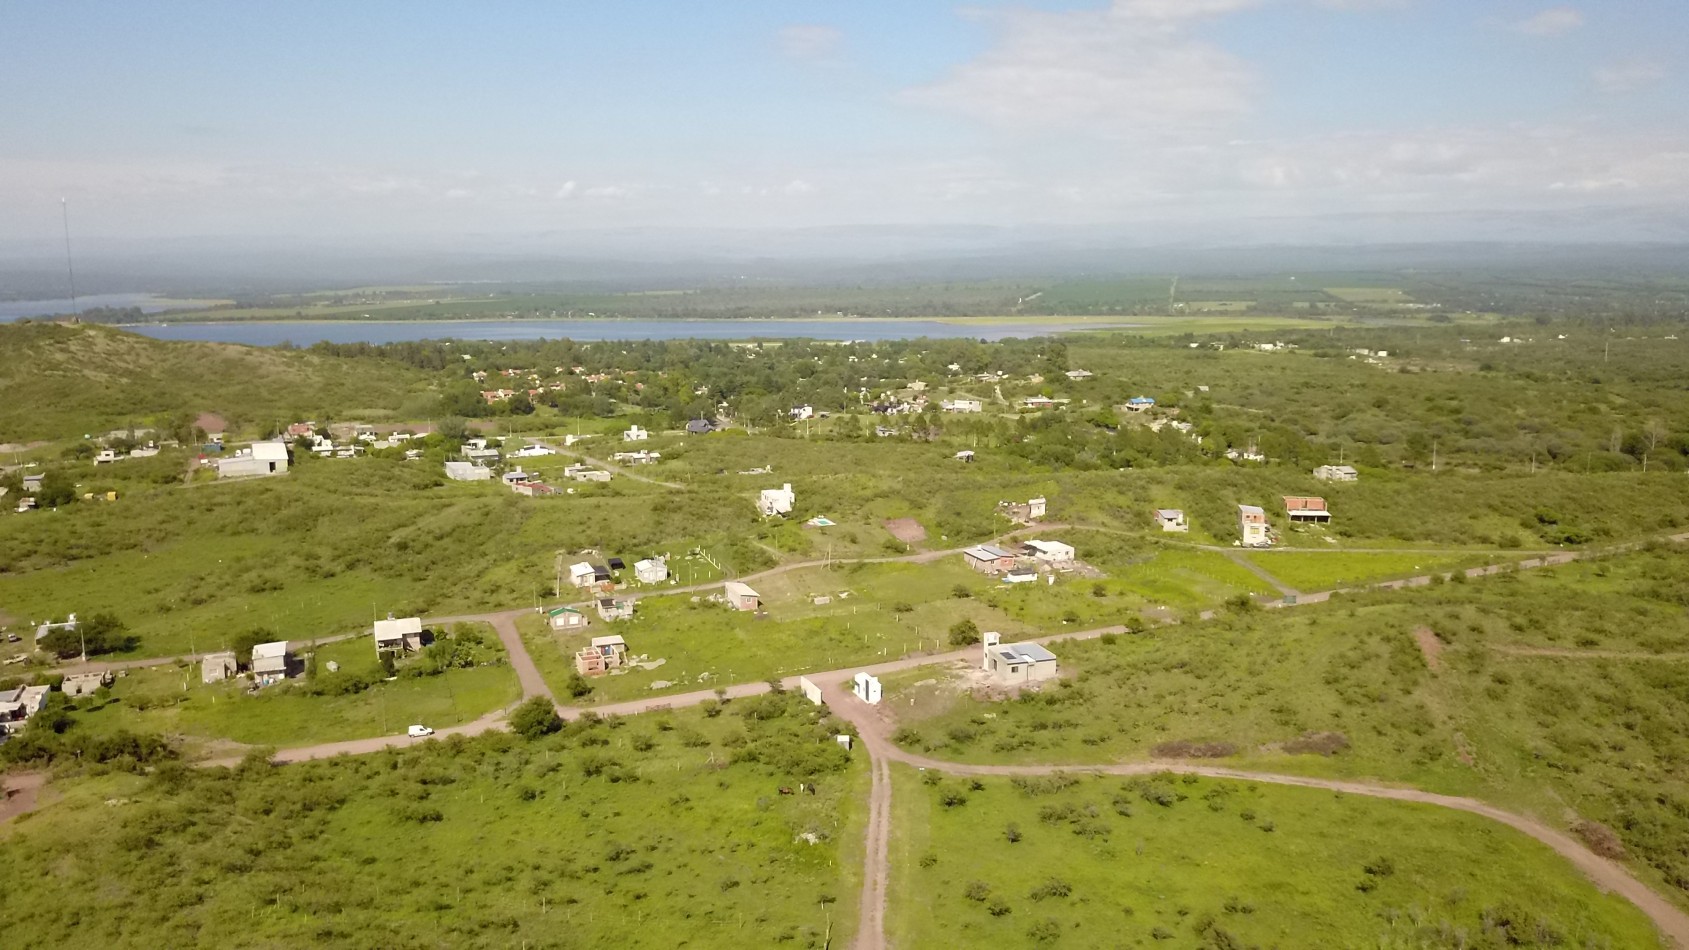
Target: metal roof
{"points": [[1033, 652]]}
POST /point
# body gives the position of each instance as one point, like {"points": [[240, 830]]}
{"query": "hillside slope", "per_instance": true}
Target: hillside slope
{"points": [[64, 381]]}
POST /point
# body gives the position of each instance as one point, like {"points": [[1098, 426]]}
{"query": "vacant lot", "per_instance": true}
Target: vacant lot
{"points": [[650, 833], [1163, 861]]}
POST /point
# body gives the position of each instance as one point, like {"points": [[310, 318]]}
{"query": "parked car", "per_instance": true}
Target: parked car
{"points": [[418, 732]]}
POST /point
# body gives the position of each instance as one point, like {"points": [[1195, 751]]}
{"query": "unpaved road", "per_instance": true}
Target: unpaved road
{"points": [[874, 730]]}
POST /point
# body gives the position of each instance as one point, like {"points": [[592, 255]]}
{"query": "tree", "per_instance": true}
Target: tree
{"points": [[57, 489], [98, 633], [521, 405], [964, 633], [452, 428], [535, 719], [243, 643]]}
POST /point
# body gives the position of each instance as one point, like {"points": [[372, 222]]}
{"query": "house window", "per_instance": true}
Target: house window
{"points": [[1014, 669]]}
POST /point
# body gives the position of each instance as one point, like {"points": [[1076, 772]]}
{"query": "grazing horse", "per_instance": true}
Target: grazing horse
{"points": [[785, 790]]}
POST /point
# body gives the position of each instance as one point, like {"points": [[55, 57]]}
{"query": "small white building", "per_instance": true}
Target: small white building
{"points": [[635, 434], [1171, 519], [961, 405], [582, 574], [261, 458], [802, 413], [651, 570], [585, 473], [740, 596], [867, 688], [1035, 508], [1337, 473], [776, 501], [534, 450], [84, 684], [468, 472]]}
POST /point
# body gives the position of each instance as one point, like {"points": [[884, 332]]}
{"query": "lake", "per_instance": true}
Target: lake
{"points": [[306, 332], [149, 303]]}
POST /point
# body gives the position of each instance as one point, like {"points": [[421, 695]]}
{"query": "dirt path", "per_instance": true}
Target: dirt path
{"points": [[1507, 650], [1238, 558], [528, 674], [22, 791], [1430, 647], [611, 467]]}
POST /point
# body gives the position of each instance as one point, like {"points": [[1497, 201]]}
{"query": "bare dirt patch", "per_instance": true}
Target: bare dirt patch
{"points": [[1317, 743], [1430, 647], [907, 530], [1186, 749], [1600, 839]]}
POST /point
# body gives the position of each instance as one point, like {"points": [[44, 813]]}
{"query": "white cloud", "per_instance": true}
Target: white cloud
{"points": [[1129, 69], [797, 186], [607, 191], [1628, 76], [810, 42], [567, 190], [1551, 22]]}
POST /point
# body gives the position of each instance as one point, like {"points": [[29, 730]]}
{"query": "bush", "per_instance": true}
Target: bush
{"points": [[977, 891], [1054, 887], [535, 719], [964, 633]]}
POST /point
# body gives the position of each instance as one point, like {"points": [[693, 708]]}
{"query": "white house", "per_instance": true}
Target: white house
{"points": [[262, 458], [1016, 663], [1035, 508], [635, 434], [867, 688], [584, 473], [534, 451], [477, 450], [802, 413], [402, 635], [1051, 552], [651, 570], [1252, 526], [1337, 473], [776, 501], [1077, 374], [269, 663], [467, 472], [581, 575], [962, 405]]}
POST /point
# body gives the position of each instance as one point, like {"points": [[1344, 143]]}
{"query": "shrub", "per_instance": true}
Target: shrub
{"points": [[1011, 831], [1054, 887], [977, 891], [964, 633], [1044, 931], [535, 719]]}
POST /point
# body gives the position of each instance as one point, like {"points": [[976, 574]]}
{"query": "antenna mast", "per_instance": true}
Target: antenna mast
{"points": [[70, 271]]}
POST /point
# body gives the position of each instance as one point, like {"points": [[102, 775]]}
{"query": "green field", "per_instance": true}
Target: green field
{"points": [[1332, 570], [171, 700], [655, 833], [1343, 689], [1225, 864]]}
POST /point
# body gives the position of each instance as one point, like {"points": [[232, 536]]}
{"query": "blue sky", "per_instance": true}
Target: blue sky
{"points": [[433, 119]]}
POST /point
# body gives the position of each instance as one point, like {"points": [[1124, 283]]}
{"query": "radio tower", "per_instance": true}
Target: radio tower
{"points": [[70, 271]]}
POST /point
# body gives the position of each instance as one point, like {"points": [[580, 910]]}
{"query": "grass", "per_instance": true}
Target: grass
{"points": [[172, 700], [1225, 864], [654, 833], [1336, 569], [704, 644], [1342, 689]]}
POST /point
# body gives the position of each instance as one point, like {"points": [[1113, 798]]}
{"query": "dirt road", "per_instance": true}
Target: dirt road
{"points": [[874, 730], [20, 793]]}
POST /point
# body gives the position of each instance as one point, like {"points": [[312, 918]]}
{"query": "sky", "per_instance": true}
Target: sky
{"points": [[434, 122]]}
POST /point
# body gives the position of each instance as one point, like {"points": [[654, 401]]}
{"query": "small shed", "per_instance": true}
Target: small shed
{"points": [[651, 570], [740, 596], [610, 609], [216, 667], [1016, 663], [1171, 519], [581, 574], [565, 618], [83, 684]]}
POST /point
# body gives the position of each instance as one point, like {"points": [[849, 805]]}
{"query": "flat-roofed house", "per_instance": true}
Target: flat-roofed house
{"points": [[83, 684], [1306, 509], [1337, 473], [603, 655], [776, 501], [261, 458], [989, 558], [1012, 664], [582, 575], [217, 667], [651, 570], [1171, 519], [1053, 553]]}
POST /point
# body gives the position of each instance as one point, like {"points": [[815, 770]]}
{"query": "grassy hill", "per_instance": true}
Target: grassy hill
{"points": [[63, 381]]}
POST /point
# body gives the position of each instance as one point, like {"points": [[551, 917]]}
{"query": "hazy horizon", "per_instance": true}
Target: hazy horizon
{"points": [[650, 131]]}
